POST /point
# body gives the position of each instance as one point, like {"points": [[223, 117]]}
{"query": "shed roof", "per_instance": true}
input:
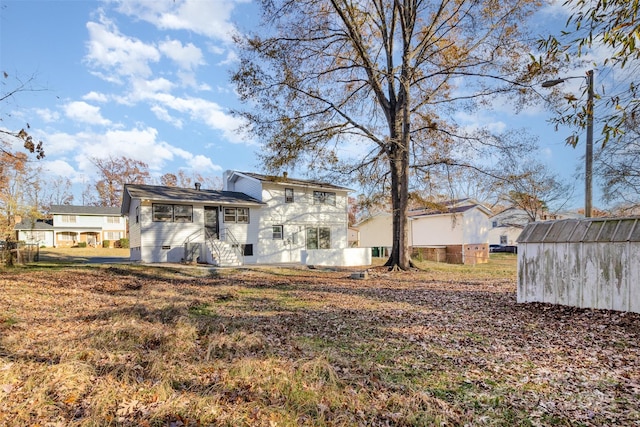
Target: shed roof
{"points": [[582, 230]]}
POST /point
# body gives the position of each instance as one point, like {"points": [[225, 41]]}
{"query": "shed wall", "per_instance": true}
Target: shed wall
{"points": [[589, 264]]}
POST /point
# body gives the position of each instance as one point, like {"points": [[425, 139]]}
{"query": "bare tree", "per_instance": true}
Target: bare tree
{"points": [[114, 173], [7, 137], [618, 166], [534, 189], [382, 78]]}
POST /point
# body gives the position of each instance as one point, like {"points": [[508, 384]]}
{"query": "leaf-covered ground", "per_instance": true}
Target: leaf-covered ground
{"points": [[281, 347]]}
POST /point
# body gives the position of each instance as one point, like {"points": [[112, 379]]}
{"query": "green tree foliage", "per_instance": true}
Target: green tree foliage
{"points": [[611, 26], [369, 89]]}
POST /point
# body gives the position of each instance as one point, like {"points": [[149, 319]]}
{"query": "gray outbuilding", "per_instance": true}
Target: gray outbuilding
{"points": [[589, 263]]}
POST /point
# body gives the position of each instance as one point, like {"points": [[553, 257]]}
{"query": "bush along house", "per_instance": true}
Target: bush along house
{"points": [[254, 219]]}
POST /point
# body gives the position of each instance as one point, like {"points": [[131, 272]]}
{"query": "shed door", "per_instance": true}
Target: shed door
{"points": [[211, 229]]}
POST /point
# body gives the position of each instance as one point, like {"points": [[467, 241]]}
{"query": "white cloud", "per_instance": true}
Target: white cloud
{"points": [[61, 167], [82, 112], [95, 97], [211, 18], [47, 115], [186, 56], [203, 164], [475, 122], [116, 53], [163, 114]]}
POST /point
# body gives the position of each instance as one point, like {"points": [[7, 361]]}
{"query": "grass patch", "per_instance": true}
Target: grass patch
{"points": [[447, 345]]}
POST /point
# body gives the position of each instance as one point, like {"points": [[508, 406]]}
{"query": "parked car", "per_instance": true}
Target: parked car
{"points": [[503, 248]]}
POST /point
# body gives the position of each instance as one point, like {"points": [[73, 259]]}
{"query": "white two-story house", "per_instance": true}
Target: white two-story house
{"points": [[254, 219], [92, 225]]}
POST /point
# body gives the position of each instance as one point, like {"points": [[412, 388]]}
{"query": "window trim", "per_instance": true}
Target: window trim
{"points": [[289, 195], [275, 234], [318, 241], [170, 214], [227, 217], [324, 198]]}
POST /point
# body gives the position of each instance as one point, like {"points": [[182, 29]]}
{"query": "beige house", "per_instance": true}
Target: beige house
{"points": [[456, 233], [375, 232]]}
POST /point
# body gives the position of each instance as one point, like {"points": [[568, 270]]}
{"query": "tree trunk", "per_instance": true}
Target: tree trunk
{"points": [[399, 167]]}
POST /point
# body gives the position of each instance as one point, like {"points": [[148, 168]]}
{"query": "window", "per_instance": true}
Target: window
{"points": [[35, 235], [503, 240], [494, 224], [318, 238], [243, 215], [238, 215], [247, 250], [277, 232], [137, 214], [113, 220], [324, 198], [68, 218], [288, 195], [66, 236], [112, 235], [182, 213], [171, 213], [162, 213]]}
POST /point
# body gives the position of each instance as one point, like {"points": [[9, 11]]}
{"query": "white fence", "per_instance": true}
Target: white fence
{"points": [[591, 263]]}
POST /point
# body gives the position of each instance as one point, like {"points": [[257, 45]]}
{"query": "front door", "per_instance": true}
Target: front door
{"points": [[211, 229]]}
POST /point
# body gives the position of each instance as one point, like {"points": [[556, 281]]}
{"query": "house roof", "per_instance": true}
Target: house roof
{"points": [[186, 195], [284, 179], [416, 213], [29, 225], [84, 210]]}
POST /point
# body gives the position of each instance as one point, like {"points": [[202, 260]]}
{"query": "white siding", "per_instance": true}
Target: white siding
{"points": [[437, 230], [164, 241], [242, 184], [475, 226], [134, 227], [295, 218], [377, 231]]}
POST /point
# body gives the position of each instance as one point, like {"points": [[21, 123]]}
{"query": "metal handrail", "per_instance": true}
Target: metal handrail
{"points": [[235, 245]]}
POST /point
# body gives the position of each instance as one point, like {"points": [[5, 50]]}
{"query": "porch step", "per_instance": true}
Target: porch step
{"points": [[224, 254]]}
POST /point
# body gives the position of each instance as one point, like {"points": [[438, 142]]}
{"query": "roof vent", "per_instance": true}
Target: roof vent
{"points": [[285, 174], [198, 186]]}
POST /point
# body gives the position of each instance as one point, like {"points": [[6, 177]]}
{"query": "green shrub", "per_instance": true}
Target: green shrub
{"points": [[124, 243], [106, 243], [82, 244]]}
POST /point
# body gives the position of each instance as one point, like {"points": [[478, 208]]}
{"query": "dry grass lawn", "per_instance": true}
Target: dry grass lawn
{"points": [[142, 346]]}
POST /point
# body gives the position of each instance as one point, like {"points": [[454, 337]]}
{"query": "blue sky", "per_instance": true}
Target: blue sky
{"points": [[150, 80]]}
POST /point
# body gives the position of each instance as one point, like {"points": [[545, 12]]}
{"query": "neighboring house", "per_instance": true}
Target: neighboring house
{"points": [[254, 219], [89, 224], [458, 232], [35, 232], [353, 237], [376, 232], [506, 226]]}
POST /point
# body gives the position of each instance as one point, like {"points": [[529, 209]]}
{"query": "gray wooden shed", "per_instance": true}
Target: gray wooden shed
{"points": [[590, 263]]}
